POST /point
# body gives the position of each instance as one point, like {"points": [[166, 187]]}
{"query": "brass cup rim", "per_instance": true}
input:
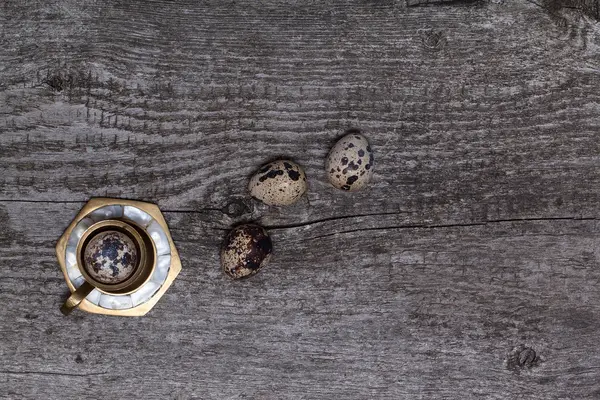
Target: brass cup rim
{"points": [[144, 246]]}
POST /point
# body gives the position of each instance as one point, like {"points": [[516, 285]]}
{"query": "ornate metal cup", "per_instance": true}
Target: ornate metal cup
{"points": [[118, 258]]}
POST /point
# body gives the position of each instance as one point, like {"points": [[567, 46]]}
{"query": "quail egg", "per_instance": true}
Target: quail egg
{"points": [[350, 162], [246, 249], [279, 183]]}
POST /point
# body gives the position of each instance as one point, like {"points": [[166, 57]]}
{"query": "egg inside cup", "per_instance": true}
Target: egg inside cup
{"points": [[116, 257]]}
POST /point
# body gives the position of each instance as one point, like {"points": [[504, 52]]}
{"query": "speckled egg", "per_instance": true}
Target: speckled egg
{"points": [[110, 257], [350, 163], [279, 183], [245, 251]]}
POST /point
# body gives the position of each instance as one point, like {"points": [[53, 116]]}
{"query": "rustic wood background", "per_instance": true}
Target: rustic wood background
{"points": [[470, 268]]}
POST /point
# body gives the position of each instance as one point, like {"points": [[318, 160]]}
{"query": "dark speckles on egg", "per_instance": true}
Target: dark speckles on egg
{"points": [[110, 257], [270, 175], [349, 158], [283, 184], [246, 249], [294, 175]]}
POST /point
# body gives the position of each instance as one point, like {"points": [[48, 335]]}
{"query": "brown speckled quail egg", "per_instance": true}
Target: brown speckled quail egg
{"points": [[247, 248], [350, 162], [279, 183]]}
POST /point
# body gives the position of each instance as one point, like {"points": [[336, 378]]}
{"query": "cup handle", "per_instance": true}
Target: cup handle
{"points": [[76, 297]]}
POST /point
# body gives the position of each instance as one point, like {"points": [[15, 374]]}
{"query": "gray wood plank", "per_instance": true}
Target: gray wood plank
{"points": [[392, 313], [476, 243], [141, 109]]}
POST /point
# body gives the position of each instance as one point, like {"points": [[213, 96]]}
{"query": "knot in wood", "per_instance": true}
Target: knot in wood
{"points": [[522, 357], [527, 357], [236, 208], [56, 82], [433, 40]]}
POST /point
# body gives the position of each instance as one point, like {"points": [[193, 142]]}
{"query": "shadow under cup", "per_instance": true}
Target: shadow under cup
{"points": [[116, 257]]}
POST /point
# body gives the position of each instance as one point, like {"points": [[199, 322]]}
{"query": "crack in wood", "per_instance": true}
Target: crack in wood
{"points": [[456, 225], [7, 372], [446, 3], [321, 220], [43, 201]]}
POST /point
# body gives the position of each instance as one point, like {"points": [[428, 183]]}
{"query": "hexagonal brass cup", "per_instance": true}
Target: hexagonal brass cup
{"points": [[157, 267]]}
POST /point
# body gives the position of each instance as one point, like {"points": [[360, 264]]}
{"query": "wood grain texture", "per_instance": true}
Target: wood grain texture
{"points": [[476, 243]]}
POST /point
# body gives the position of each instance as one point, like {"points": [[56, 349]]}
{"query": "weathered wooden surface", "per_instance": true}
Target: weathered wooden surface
{"points": [[477, 240]]}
